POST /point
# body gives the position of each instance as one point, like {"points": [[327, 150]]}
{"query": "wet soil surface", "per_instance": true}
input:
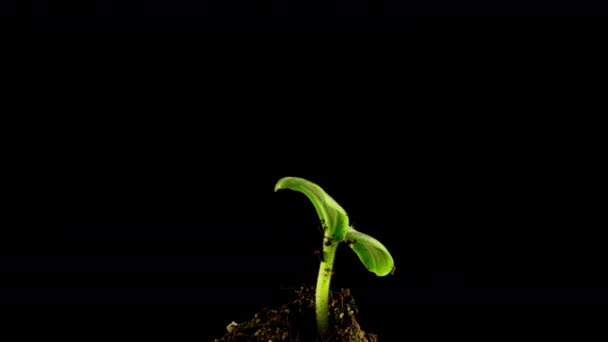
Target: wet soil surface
{"points": [[295, 321]]}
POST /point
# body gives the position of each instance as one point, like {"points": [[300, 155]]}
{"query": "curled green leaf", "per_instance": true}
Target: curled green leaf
{"points": [[371, 252], [331, 214]]}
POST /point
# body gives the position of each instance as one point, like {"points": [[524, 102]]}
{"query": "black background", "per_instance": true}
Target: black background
{"points": [[316, 15], [165, 225]]}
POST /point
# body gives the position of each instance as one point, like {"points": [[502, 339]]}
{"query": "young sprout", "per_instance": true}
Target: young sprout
{"points": [[336, 229]]}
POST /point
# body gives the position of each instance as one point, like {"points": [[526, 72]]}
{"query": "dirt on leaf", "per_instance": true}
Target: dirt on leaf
{"points": [[296, 321]]}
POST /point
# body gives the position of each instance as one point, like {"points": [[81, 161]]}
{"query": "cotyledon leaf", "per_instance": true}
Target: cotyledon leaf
{"points": [[371, 252], [329, 211]]}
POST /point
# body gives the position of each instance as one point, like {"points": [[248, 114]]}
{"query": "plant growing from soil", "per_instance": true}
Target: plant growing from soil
{"points": [[336, 229]]}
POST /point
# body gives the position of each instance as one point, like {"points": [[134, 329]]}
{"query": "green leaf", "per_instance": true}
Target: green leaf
{"points": [[371, 252], [331, 214]]}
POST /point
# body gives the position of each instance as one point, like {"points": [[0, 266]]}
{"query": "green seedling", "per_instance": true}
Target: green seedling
{"points": [[336, 229]]}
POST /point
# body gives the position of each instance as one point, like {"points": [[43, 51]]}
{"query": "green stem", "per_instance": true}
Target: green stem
{"points": [[323, 280]]}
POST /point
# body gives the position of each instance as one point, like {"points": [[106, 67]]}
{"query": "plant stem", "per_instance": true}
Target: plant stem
{"points": [[323, 280]]}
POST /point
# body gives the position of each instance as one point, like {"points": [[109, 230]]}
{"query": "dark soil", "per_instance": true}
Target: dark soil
{"points": [[295, 321]]}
